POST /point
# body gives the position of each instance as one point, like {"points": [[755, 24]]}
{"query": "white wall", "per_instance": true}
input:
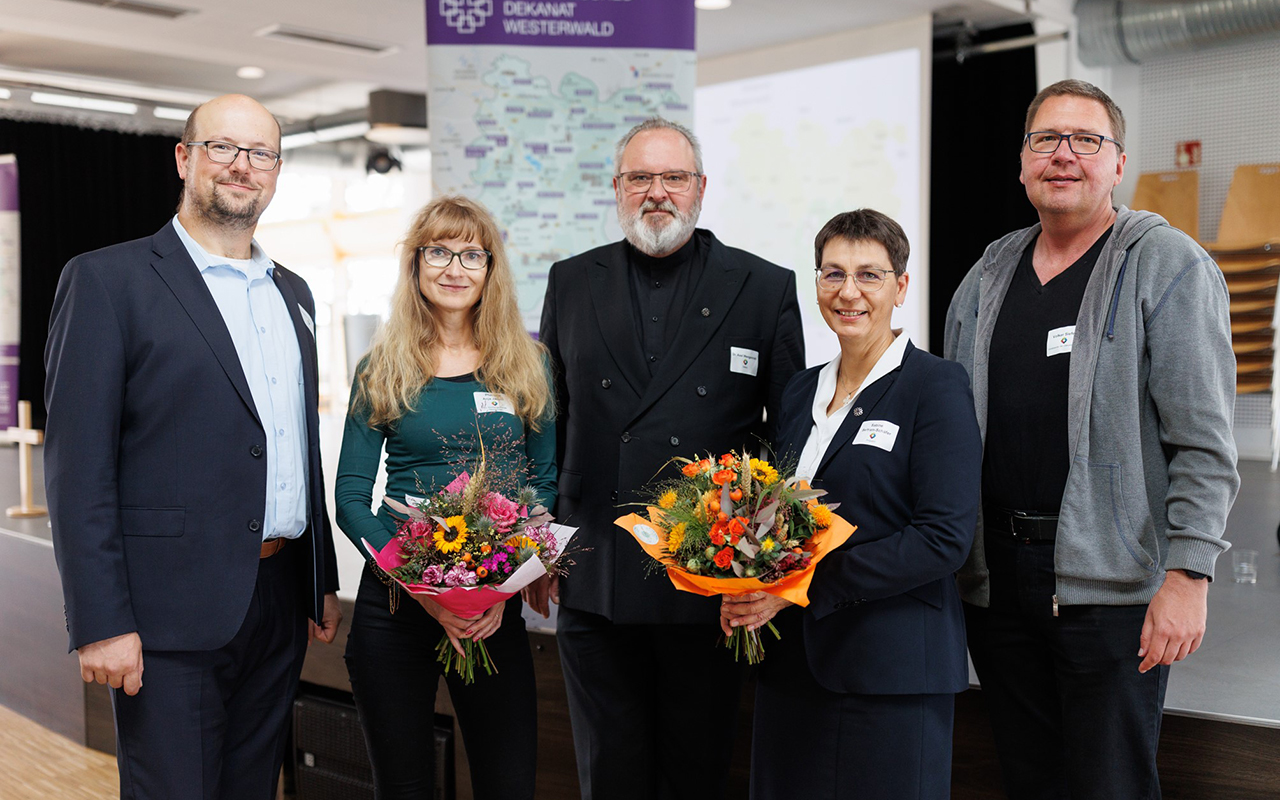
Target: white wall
{"points": [[916, 34]]}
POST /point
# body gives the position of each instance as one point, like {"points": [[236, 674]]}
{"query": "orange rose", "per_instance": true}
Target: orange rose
{"points": [[724, 557], [689, 470], [738, 526], [723, 476], [727, 460]]}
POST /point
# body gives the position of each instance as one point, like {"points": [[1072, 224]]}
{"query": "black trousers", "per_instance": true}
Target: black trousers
{"points": [[653, 707], [1073, 718], [391, 660], [212, 724]]}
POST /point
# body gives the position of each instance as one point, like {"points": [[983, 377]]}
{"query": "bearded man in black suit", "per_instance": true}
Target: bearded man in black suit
{"points": [[666, 344]]}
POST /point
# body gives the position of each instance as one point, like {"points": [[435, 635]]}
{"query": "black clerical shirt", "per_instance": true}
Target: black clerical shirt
{"points": [[1026, 456], [660, 289]]}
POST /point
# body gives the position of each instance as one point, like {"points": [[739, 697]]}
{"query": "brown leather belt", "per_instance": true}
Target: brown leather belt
{"points": [[271, 546]]}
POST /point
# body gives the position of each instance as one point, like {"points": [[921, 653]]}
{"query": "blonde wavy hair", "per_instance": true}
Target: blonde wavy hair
{"points": [[402, 359]]}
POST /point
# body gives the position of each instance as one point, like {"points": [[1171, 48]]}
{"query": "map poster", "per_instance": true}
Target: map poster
{"points": [[526, 102], [10, 285]]}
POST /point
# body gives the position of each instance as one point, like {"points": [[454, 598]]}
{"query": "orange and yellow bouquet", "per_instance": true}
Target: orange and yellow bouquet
{"points": [[733, 526]]}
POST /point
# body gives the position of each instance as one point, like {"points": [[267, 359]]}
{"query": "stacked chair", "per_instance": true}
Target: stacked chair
{"points": [[1248, 251]]}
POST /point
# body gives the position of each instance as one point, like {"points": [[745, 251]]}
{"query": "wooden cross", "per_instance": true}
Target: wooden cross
{"points": [[26, 437]]}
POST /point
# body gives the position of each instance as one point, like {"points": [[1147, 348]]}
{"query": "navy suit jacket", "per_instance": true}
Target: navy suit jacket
{"points": [[155, 460], [884, 615]]}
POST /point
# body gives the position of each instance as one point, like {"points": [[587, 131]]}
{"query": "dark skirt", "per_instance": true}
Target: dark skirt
{"points": [[821, 745]]}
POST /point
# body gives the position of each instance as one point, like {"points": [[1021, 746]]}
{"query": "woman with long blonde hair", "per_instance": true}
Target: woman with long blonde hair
{"points": [[451, 366]]}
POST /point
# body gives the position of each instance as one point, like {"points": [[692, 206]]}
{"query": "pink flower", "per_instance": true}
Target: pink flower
{"points": [[459, 575], [457, 484], [433, 575], [419, 528], [504, 513]]}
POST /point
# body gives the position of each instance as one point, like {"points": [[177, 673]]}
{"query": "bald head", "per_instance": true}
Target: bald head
{"points": [[235, 103]]}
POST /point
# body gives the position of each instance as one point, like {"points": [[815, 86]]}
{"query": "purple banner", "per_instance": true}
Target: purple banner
{"points": [[649, 24], [10, 291]]}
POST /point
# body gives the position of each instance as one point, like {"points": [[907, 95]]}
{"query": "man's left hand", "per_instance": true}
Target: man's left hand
{"points": [[1175, 620], [327, 628]]}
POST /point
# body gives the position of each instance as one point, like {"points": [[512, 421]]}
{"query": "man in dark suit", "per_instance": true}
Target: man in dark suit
{"points": [[182, 468], [666, 344]]}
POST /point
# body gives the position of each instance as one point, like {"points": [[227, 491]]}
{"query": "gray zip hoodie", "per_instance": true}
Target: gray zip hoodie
{"points": [[1153, 461]]}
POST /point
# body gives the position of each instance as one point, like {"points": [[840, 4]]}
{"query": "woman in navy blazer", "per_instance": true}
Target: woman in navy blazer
{"points": [[857, 699]]}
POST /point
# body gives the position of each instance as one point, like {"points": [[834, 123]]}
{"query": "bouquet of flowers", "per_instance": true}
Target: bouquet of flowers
{"points": [[733, 526], [470, 547]]}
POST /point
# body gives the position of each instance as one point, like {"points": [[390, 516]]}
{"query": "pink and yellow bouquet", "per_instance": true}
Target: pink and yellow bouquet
{"points": [[469, 548], [734, 526]]}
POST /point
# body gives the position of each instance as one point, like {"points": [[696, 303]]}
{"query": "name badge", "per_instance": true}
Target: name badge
{"points": [[489, 403], [877, 433], [1059, 341], [308, 321], [744, 361]]}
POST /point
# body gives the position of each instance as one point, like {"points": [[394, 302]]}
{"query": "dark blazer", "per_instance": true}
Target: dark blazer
{"points": [[618, 427], [884, 615], [155, 460]]}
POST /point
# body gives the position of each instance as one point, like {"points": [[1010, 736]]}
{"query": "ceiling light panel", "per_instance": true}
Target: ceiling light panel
{"points": [[150, 9], [86, 103], [333, 41]]}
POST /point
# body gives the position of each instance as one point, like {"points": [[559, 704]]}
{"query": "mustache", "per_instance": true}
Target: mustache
{"points": [[665, 205]]}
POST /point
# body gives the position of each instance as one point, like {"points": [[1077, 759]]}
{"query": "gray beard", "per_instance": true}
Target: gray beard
{"points": [[659, 240]]}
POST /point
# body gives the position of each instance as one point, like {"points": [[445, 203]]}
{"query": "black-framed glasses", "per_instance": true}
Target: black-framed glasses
{"points": [[868, 279], [676, 181], [227, 153], [433, 255], [1082, 144]]}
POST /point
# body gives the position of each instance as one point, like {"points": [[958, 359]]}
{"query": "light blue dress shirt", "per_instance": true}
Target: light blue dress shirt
{"points": [[267, 343]]}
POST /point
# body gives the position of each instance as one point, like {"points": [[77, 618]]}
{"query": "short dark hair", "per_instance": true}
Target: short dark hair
{"points": [[1076, 88], [866, 225]]}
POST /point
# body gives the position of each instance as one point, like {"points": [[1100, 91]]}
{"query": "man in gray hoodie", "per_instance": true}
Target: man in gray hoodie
{"points": [[1099, 346]]}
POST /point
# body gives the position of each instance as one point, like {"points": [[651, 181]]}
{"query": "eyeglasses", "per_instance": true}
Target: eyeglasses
{"points": [[436, 256], [227, 153], [1082, 144], [868, 279], [676, 181]]}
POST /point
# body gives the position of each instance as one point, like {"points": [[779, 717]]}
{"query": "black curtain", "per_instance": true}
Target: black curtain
{"points": [[79, 189], [975, 197]]}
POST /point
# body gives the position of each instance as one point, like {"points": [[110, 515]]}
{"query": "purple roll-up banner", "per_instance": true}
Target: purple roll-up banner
{"points": [[527, 100], [10, 290]]}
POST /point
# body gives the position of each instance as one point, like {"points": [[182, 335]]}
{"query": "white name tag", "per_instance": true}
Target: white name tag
{"points": [[744, 361], [308, 321], [1059, 341], [877, 433], [489, 403]]}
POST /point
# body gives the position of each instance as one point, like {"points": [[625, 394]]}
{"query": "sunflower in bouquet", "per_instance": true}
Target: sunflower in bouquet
{"points": [[734, 525], [471, 547]]}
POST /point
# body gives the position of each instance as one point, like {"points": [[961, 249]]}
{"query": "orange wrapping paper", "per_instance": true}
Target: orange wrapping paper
{"points": [[793, 587]]}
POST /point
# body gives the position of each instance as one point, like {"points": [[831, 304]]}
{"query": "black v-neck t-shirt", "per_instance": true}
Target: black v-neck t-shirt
{"points": [[1026, 457]]}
